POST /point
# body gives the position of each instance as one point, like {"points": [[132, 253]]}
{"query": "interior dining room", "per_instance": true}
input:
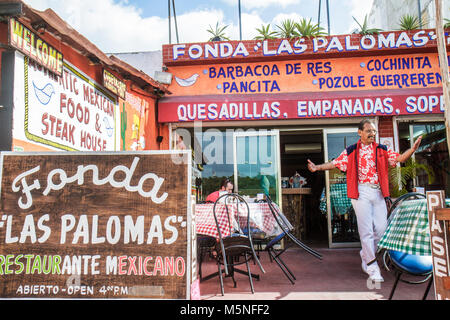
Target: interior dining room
{"points": [[302, 205]]}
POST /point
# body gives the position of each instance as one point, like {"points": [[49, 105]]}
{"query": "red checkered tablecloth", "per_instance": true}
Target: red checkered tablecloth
{"points": [[260, 217]]}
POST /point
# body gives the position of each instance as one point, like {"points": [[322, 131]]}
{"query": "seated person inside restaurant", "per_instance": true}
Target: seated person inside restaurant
{"points": [[226, 185]]}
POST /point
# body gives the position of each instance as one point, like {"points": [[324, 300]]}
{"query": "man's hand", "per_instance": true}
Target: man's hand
{"points": [[417, 143], [408, 153], [311, 166]]}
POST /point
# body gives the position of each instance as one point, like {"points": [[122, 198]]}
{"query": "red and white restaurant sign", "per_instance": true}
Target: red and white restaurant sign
{"points": [[300, 105], [71, 112]]}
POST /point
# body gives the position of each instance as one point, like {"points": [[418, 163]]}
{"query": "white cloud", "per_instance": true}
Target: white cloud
{"points": [[359, 10], [250, 21], [110, 26], [285, 16], [252, 4], [120, 27]]}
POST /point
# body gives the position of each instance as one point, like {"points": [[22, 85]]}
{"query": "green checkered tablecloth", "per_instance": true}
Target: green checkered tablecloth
{"points": [[338, 197], [408, 231]]}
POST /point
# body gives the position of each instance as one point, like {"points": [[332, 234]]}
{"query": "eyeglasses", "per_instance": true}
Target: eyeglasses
{"points": [[371, 131]]}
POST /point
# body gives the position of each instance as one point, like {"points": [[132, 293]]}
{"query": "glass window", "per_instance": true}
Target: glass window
{"points": [[431, 159], [213, 160]]}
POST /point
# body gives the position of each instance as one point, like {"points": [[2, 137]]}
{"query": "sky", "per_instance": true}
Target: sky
{"points": [[119, 26]]}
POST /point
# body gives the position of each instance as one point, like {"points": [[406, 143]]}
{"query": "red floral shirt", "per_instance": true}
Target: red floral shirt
{"points": [[367, 171]]}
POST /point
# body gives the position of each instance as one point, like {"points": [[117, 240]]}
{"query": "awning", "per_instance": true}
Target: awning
{"points": [[301, 105]]}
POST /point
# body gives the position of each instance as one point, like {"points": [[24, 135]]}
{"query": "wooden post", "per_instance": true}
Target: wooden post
{"points": [[442, 52]]}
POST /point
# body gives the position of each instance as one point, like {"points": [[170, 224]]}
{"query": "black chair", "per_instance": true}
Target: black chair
{"points": [[237, 248], [205, 246], [286, 234], [402, 263]]}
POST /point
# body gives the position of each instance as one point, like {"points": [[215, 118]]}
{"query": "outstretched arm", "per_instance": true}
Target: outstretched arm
{"points": [[408, 153], [325, 166]]}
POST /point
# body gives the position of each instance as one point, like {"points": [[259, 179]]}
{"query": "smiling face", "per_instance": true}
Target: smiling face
{"points": [[368, 133]]}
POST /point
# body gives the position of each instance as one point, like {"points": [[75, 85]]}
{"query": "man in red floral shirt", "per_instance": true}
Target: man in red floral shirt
{"points": [[366, 164]]}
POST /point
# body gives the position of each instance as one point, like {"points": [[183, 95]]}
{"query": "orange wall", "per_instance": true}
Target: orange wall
{"points": [[338, 74]]}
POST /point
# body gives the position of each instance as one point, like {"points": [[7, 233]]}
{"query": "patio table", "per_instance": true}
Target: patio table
{"points": [[408, 230], [260, 217], [338, 197]]}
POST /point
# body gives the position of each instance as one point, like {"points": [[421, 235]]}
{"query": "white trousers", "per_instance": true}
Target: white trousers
{"points": [[371, 215]]}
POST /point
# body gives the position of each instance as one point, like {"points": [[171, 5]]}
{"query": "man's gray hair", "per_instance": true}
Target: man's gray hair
{"points": [[363, 122]]}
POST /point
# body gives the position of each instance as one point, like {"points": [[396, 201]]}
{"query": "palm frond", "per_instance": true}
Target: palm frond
{"points": [[218, 33], [265, 33], [410, 22], [308, 29], [287, 29], [446, 24], [364, 29], [399, 176]]}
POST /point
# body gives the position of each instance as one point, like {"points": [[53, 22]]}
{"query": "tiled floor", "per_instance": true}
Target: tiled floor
{"points": [[338, 276]]}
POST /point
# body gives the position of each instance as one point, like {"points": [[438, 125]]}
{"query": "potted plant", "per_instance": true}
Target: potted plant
{"points": [[218, 33], [446, 24], [400, 177], [287, 29], [411, 22], [265, 33], [308, 29], [364, 28]]}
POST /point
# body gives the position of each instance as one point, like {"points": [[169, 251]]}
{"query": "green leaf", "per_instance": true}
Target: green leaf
{"points": [[308, 29], [218, 33], [364, 29], [287, 29], [265, 33], [410, 22]]}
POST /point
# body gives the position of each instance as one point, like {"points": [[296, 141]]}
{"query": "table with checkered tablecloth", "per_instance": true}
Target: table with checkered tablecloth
{"points": [[338, 197], [260, 217], [408, 230]]}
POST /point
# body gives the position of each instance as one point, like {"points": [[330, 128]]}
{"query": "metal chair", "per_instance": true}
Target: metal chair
{"points": [[205, 246], [286, 234], [403, 263], [237, 248]]}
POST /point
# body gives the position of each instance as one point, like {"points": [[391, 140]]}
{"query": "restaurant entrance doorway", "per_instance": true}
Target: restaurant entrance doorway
{"points": [[325, 213], [341, 219], [302, 205]]}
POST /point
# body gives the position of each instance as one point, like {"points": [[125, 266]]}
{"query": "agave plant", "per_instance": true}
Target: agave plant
{"points": [[308, 29], [446, 24], [399, 177], [265, 33], [364, 29], [287, 29], [410, 22], [218, 33]]}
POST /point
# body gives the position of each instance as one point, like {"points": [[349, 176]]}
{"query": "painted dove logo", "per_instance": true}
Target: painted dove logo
{"points": [[108, 127], [187, 82], [44, 94]]}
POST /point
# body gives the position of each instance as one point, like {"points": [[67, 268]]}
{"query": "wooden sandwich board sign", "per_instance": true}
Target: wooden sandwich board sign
{"points": [[95, 225], [439, 226]]}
